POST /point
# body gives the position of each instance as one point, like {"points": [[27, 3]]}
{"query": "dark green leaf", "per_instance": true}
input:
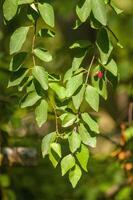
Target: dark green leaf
{"points": [[17, 77], [17, 61], [104, 46]]}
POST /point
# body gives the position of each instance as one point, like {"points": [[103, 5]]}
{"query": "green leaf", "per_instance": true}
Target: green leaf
{"points": [[41, 112], [43, 54], [68, 120], [115, 8], [74, 141], [17, 61], [77, 61], [18, 38], [46, 33], [56, 148], [53, 158], [104, 45], [100, 84], [81, 44], [86, 137], [73, 84], [99, 11], [83, 10], [58, 89], [67, 163], [92, 97], [10, 9], [83, 156], [94, 23], [112, 67], [47, 13], [41, 76], [75, 175], [20, 2], [93, 125], [30, 99], [32, 13], [17, 77], [68, 75], [47, 140], [54, 153], [78, 98]]}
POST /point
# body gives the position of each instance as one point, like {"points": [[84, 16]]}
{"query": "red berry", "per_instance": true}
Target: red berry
{"points": [[100, 74]]}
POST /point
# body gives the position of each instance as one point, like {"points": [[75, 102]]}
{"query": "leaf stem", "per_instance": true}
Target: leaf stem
{"points": [[112, 33], [33, 43], [87, 77]]}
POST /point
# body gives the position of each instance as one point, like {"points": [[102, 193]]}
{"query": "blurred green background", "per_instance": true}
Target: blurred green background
{"points": [[18, 127]]}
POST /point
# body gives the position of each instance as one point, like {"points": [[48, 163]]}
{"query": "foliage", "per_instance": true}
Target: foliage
{"points": [[64, 96]]}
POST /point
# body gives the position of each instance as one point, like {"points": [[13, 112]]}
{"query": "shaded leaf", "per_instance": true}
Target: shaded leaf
{"points": [[30, 99], [112, 67], [86, 137], [104, 45], [78, 98], [73, 84], [93, 125], [75, 175], [17, 61], [58, 89]]}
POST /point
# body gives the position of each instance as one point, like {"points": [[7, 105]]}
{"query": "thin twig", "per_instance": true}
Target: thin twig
{"points": [[110, 139], [33, 43], [112, 33]]}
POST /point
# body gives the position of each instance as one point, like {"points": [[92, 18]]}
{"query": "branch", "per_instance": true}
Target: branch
{"points": [[115, 189], [19, 156]]}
